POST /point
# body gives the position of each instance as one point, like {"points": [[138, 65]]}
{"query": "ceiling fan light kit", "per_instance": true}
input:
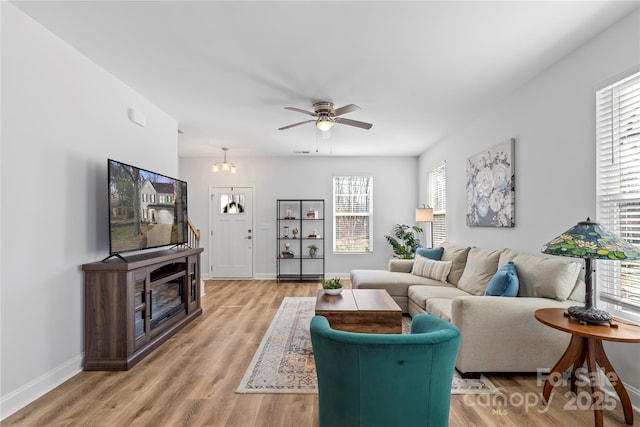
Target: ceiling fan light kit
{"points": [[326, 116], [324, 123]]}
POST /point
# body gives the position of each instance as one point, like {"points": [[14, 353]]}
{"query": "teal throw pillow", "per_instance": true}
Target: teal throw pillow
{"points": [[433, 253], [505, 282]]}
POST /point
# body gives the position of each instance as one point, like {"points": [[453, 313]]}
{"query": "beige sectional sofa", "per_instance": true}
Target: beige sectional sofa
{"points": [[499, 334]]}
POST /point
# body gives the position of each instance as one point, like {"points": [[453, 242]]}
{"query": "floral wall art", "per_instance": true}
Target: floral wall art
{"points": [[490, 187]]}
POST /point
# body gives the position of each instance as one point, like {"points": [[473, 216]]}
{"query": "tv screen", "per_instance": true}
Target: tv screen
{"points": [[146, 209]]}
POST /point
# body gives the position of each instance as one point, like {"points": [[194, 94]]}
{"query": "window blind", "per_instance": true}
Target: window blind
{"points": [[352, 214], [618, 190], [438, 200]]}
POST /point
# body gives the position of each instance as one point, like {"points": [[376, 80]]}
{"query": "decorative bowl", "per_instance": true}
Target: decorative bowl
{"points": [[333, 291]]}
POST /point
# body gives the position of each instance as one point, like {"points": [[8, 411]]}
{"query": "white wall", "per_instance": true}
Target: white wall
{"points": [[394, 200], [552, 119], [62, 117]]}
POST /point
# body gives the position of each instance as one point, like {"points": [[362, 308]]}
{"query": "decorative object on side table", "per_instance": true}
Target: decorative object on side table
{"points": [[332, 286], [589, 240]]}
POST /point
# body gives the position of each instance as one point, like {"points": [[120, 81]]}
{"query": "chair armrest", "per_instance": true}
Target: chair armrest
{"points": [[400, 265]]}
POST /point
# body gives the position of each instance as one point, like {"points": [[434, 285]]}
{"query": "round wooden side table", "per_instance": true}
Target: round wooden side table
{"points": [[586, 345]]}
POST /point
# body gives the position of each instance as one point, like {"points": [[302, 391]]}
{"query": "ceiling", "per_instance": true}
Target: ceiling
{"points": [[418, 70]]}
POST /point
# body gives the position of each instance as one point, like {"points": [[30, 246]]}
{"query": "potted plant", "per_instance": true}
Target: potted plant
{"points": [[313, 250], [332, 286], [404, 243]]}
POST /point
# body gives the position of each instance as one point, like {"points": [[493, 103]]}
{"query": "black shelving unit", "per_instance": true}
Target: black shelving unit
{"points": [[300, 224]]}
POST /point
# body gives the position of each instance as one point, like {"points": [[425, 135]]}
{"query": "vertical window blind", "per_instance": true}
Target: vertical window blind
{"points": [[352, 214], [438, 200], [618, 190]]}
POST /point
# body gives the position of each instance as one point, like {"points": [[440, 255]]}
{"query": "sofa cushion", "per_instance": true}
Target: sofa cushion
{"points": [[431, 253], [400, 265], [543, 276], [481, 265], [420, 295], [440, 307], [436, 270], [458, 257], [504, 283], [396, 284]]}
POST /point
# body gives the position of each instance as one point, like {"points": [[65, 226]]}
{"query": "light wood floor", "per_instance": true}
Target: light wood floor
{"points": [[190, 380]]}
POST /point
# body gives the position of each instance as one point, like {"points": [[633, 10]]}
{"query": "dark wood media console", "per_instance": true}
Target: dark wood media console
{"points": [[133, 306]]}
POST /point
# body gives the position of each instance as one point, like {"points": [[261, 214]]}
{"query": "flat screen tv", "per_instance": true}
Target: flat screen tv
{"points": [[146, 209]]}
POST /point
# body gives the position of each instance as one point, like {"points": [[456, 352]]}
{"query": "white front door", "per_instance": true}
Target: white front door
{"points": [[231, 240]]}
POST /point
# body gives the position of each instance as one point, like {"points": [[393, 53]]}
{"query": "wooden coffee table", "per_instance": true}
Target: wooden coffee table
{"points": [[361, 310]]}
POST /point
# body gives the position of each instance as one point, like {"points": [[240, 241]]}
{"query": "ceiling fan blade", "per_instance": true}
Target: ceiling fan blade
{"points": [[346, 109], [355, 123], [296, 124], [301, 111]]}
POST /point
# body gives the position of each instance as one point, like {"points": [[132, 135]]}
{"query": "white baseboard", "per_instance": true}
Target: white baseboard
{"points": [[21, 397], [272, 276]]}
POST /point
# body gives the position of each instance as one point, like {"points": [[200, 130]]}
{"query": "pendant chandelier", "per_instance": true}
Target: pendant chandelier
{"points": [[224, 166]]}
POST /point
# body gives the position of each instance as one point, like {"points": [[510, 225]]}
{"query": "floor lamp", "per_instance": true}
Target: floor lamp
{"points": [[425, 214]]}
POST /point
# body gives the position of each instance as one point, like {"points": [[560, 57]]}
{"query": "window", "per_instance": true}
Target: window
{"points": [[352, 214], [231, 203], [438, 200], [618, 178]]}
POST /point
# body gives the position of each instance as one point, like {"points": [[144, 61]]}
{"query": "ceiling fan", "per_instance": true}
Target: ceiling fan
{"points": [[326, 116]]}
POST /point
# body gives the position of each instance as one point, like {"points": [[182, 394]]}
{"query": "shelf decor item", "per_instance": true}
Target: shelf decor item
{"points": [[589, 240], [294, 231], [313, 250], [285, 231], [287, 253]]}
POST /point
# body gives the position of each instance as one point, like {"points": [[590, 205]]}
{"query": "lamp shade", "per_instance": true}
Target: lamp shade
{"points": [[424, 214], [589, 239]]}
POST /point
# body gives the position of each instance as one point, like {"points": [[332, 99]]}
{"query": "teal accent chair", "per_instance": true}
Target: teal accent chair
{"points": [[379, 380]]}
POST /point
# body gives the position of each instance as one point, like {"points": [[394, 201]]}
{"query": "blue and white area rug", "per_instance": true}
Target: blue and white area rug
{"points": [[284, 360]]}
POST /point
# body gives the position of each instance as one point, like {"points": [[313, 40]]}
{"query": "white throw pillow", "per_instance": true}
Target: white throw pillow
{"points": [[436, 270]]}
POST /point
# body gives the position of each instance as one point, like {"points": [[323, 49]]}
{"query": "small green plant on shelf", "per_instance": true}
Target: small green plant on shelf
{"points": [[332, 283], [313, 250]]}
